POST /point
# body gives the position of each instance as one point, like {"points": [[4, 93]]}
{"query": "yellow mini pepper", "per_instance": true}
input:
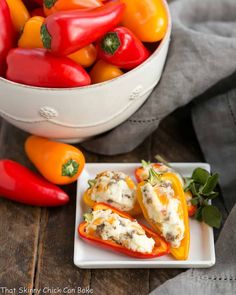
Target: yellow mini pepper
{"points": [[30, 37], [86, 56], [19, 14], [147, 19], [103, 71], [180, 253]]}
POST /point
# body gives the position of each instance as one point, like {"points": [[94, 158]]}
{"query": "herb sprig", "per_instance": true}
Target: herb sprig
{"points": [[202, 186]]}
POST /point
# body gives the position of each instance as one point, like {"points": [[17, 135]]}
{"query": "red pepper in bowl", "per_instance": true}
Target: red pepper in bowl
{"points": [[38, 67], [68, 31], [17, 183], [6, 35], [123, 49]]}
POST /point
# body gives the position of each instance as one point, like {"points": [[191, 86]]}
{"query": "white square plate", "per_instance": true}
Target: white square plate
{"points": [[202, 251]]}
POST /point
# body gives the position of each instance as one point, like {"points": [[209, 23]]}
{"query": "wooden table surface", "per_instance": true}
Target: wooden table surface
{"points": [[37, 244]]}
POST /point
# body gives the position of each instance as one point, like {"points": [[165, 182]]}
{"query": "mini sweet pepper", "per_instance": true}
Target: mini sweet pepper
{"points": [[68, 31]]}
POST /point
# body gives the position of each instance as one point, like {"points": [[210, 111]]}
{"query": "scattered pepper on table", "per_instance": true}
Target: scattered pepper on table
{"points": [[17, 183], [58, 162]]}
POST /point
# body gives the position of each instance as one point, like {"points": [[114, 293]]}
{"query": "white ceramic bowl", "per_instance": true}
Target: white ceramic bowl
{"points": [[75, 114]]}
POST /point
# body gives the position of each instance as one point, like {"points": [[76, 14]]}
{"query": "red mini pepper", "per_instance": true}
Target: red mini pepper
{"points": [[122, 48], [6, 35], [19, 184], [68, 31], [161, 246], [37, 67]]}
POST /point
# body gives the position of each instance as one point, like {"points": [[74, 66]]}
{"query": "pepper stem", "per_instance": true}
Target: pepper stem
{"points": [[154, 177], [49, 3], [110, 43], [70, 168], [45, 37]]}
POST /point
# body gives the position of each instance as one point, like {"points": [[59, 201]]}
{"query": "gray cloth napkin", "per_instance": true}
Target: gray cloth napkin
{"points": [[202, 52], [218, 280], [214, 120]]}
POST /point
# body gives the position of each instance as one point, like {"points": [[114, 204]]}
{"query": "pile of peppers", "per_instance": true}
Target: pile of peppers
{"points": [[75, 43]]}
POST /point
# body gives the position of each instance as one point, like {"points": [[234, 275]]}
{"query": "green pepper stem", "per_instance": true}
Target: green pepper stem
{"points": [[49, 3], [70, 168], [45, 37], [110, 43]]}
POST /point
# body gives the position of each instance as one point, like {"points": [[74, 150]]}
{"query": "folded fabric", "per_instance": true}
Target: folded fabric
{"points": [[218, 280], [202, 52], [214, 120]]}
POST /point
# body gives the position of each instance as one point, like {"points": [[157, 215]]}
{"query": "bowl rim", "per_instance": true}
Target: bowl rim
{"points": [[97, 85]]}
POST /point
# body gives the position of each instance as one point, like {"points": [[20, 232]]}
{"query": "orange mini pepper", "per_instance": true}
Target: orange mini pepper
{"points": [[85, 56], [180, 253], [52, 6], [147, 19], [103, 71], [30, 37], [19, 14], [58, 162]]}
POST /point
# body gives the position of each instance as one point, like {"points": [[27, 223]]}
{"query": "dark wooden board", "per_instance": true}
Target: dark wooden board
{"points": [[41, 240]]}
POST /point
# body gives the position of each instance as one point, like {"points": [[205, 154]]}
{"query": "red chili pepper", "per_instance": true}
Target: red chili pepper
{"points": [[161, 246], [6, 35], [123, 49], [19, 184], [37, 67], [67, 31]]}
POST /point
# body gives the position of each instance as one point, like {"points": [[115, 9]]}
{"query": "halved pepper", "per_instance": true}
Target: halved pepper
{"points": [[91, 203], [161, 247], [180, 253], [140, 176]]}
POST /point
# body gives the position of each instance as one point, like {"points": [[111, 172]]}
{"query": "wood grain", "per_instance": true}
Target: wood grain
{"points": [[19, 224]]}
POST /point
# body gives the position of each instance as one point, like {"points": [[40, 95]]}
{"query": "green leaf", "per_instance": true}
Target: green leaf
{"points": [[193, 189], [211, 216], [194, 201], [198, 214], [187, 185], [212, 195], [210, 184], [200, 175]]}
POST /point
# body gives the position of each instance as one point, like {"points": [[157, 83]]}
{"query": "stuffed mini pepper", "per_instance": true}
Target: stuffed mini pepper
{"points": [[114, 188], [115, 230], [164, 206], [142, 174]]}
